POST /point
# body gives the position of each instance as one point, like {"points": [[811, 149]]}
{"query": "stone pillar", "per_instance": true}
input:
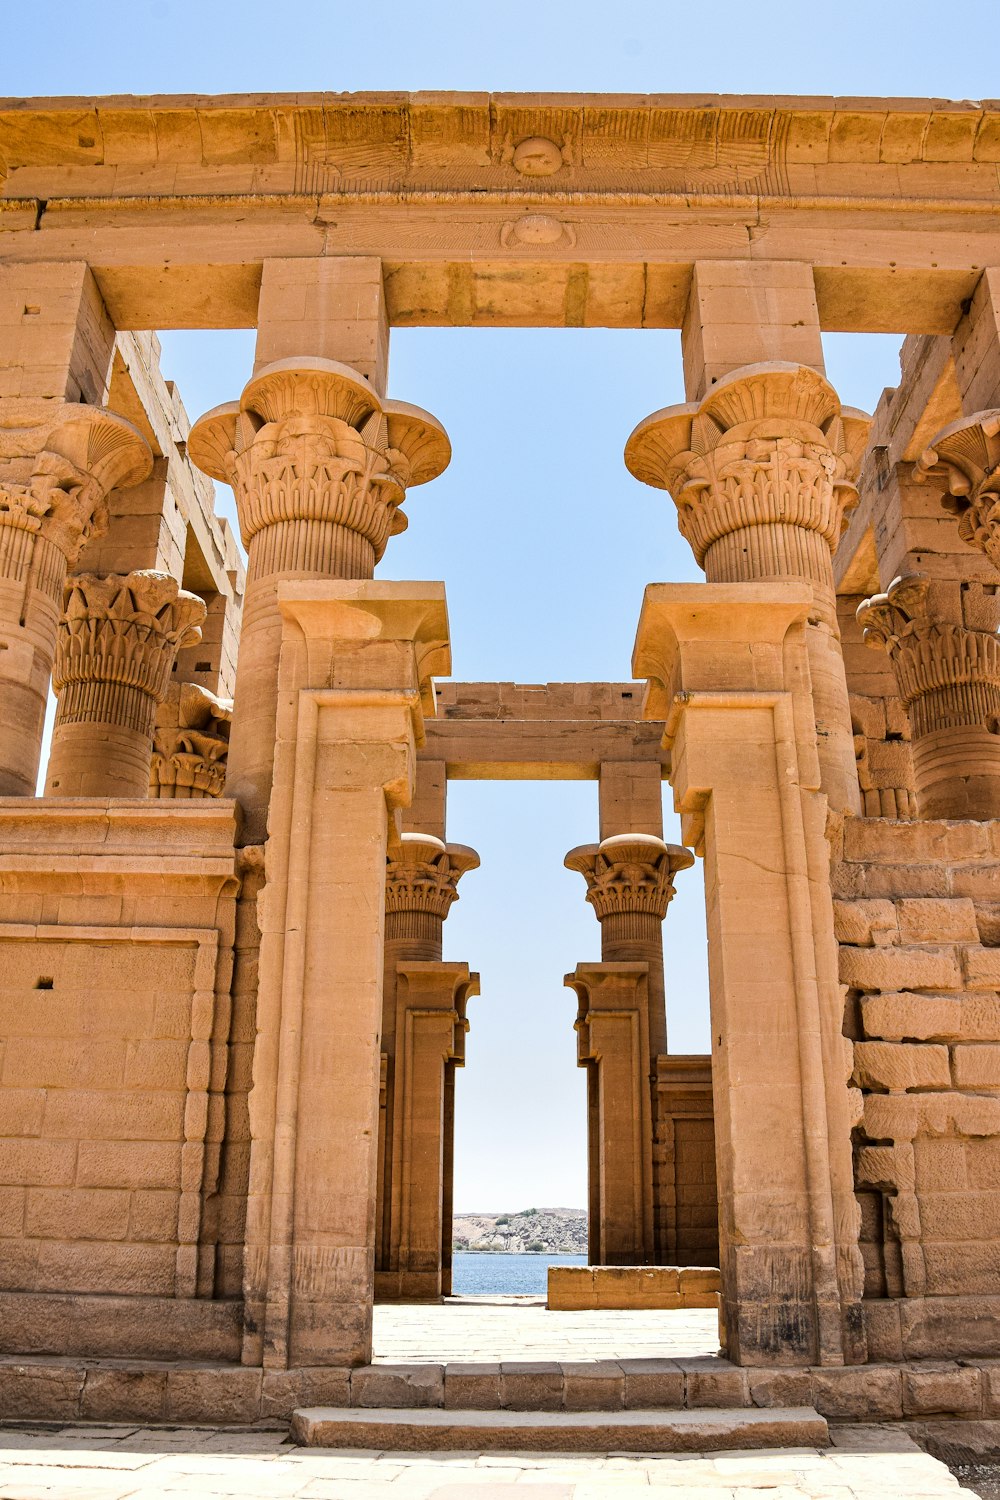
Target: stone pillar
{"points": [[613, 1045], [762, 471], [355, 667], [51, 501], [729, 673], [429, 1042], [190, 743], [630, 884], [319, 465], [118, 640], [422, 877], [942, 641]]}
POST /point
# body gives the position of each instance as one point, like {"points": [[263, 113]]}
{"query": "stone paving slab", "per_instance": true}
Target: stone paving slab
{"points": [[135, 1463], [485, 1331]]}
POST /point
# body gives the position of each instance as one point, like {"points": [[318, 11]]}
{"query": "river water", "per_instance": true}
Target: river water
{"points": [[478, 1274]]}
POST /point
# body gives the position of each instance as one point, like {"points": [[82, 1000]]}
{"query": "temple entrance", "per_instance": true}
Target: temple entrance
{"points": [[548, 1139]]}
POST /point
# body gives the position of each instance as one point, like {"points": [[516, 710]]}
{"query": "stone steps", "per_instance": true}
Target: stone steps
{"points": [[409, 1430]]}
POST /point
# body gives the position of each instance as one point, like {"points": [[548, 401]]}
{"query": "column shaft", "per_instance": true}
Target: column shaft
{"points": [[345, 761], [729, 673]]}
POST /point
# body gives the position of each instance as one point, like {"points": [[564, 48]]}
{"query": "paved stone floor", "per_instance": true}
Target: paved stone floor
{"points": [[115, 1463], [484, 1330]]}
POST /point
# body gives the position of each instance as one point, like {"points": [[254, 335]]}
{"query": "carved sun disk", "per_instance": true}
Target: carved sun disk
{"points": [[537, 157]]}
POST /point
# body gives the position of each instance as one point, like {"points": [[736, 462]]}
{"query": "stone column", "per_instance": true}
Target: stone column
{"points": [[422, 877], [630, 884], [320, 465], [762, 471], [118, 640], [728, 668], [52, 500], [430, 1030], [613, 1045], [942, 641], [356, 663], [190, 743]]}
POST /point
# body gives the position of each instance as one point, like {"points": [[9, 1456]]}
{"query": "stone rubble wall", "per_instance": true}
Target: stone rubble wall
{"points": [[917, 909]]}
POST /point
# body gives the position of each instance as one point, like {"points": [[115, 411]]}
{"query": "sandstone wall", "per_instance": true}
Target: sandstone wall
{"points": [[918, 921], [115, 967]]}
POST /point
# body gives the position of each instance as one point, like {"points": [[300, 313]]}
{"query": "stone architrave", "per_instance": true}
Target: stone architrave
{"points": [[357, 658], [728, 669], [965, 458], [52, 501], [613, 1046], [422, 876], [117, 644], [630, 884], [942, 641], [190, 743], [320, 465], [763, 471]]}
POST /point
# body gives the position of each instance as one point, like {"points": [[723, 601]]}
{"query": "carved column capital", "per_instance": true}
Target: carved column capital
{"points": [[311, 442], [117, 642], [190, 743], [964, 459], [945, 652], [762, 471], [630, 880], [421, 885], [87, 453]]}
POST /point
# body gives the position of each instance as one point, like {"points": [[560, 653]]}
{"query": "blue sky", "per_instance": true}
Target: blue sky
{"points": [[544, 541]]}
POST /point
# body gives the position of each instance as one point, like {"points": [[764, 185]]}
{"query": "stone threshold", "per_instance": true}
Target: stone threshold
{"points": [[50, 1388], [651, 1431]]}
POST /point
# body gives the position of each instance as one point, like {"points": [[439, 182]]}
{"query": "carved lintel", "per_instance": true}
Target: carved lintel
{"points": [[117, 643], [762, 471], [964, 460], [190, 743], [319, 464]]}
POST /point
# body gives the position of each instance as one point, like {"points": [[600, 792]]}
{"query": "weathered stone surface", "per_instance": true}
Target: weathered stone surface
{"points": [[941, 1388], [870, 1394], [472, 1387], [598, 1385], [533, 1431], [527, 1385], [283, 1390], [652, 1384], [397, 1385], [214, 1396], [899, 1066]]}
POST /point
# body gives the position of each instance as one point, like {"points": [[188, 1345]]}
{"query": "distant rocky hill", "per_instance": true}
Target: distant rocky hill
{"points": [[548, 1231]]}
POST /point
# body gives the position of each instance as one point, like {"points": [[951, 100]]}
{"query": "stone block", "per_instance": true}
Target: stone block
{"points": [[900, 968], [710, 1381], [891, 1017], [950, 1327], [982, 967], [217, 1396], [937, 921], [881, 1317], [40, 1390], [471, 1387], [571, 1287], [865, 923], [699, 1280], [897, 1066], [124, 1394], [283, 1390], [941, 1389], [596, 1385], [652, 1384], [976, 1065], [859, 1393], [780, 1387], [531, 1385], [397, 1385]]}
